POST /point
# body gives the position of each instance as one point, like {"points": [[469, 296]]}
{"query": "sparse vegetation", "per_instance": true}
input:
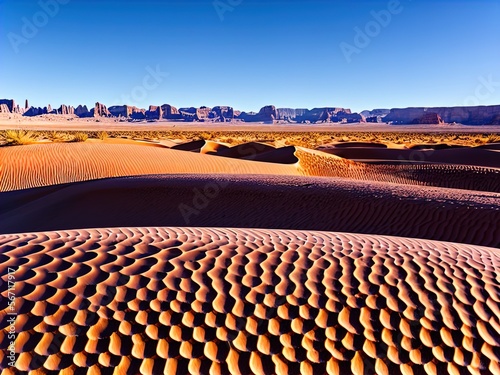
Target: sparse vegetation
{"points": [[235, 137], [56, 136], [19, 137], [102, 135], [80, 137]]}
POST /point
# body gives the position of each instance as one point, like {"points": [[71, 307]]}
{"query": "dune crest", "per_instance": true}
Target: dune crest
{"points": [[330, 204], [318, 163], [186, 301], [24, 167]]}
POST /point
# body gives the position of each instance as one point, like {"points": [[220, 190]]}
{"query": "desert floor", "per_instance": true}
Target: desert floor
{"points": [[202, 250]]}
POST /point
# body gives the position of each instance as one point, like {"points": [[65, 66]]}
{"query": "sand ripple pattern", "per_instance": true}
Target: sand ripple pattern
{"points": [[222, 301], [23, 167], [467, 177]]}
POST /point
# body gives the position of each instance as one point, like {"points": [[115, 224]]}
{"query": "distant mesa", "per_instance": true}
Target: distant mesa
{"points": [[478, 115], [430, 118], [100, 110], [267, 114], [82, 111], [66, 110], [170, 112], [222, 113], [319, 115], [127, 111], [195, 114]]}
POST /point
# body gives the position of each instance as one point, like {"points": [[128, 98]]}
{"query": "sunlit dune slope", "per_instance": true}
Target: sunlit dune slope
{"points": [[231, 301], [24, 167]]}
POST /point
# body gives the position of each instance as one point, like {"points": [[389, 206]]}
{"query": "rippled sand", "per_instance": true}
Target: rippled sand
{"points": [[286, 202], [175, 300], [24, 167], [154, 296]]}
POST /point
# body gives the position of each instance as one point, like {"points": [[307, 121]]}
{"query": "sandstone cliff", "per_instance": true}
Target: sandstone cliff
{"points": [[222, 113], [195, 114], [480, 115], [327, 114], [154, 113], [37, 111], [170, 112], [10, 103], [128, 111], [100, 110], [290, 113], [430, 118], [65, 110], [82, 111], [266, 114]]}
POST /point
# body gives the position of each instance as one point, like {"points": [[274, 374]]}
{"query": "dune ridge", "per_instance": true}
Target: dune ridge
{"points": [[24, 167], [456, 176], [241, 301], [478, 156], [258, 202]]}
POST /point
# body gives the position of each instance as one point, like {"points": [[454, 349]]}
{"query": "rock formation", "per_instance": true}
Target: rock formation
{"points": [[222, 113], [26, 106], [290, 113], [11, 104], [82, 111], [430, 118], [195, 114], [328, 114], [479, 115], [374, 119], [267, 114], [36, 111], [348, 117], [170, 112], [154, 113], [375, 113], [65, 110], [496, 120], [128, 111], [100, 110]]}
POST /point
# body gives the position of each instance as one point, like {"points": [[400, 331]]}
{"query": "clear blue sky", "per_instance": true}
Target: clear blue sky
{"points": [[286, 53]]}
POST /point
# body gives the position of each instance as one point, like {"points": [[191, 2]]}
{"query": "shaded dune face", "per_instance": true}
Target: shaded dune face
{"points": [[189, 301], [286, 202], [317, 163]]}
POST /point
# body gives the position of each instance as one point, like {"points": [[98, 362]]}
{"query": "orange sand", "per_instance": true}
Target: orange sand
{"points": [[229, 301], [25, 167]]}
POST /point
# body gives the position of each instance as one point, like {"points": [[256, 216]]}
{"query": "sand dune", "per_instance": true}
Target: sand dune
{"points": [[318, 163], [464, 156], [31, 166], [24, 167], [229, 301], [246, 150], [285, 202]]}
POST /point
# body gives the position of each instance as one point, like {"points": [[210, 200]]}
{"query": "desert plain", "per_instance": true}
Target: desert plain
{"points": [[249, 249]]}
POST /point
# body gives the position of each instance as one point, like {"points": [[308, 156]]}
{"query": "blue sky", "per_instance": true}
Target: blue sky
{"points": [[252, 53]]}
